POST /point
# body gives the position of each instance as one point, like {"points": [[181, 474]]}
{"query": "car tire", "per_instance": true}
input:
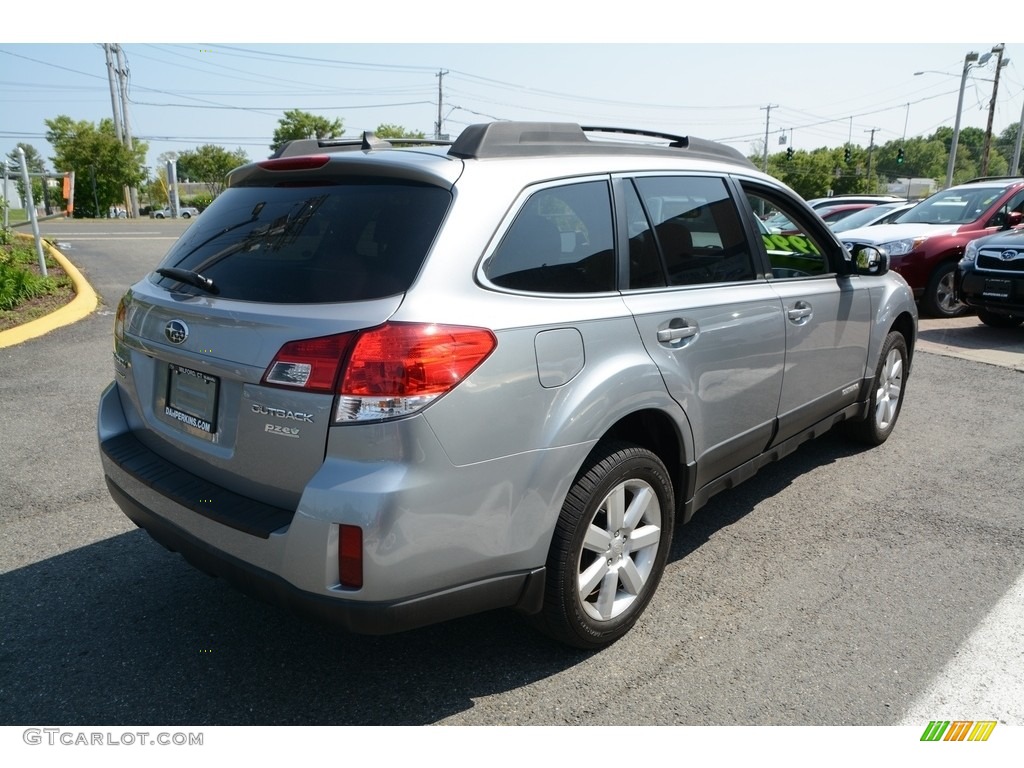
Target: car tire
{"points": [[186, 215], [609, 547], [158, 215], [888, 387], [994, 320], [939, 297]]}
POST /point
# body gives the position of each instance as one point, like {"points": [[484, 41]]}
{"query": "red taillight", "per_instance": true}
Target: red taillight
{"points": [[122, 310], [311, 364], [350, 556], [301, 163], [385, 372], [410, 360]]}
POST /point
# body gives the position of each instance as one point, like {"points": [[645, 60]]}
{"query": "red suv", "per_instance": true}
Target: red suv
{"points": [[929, 239]]}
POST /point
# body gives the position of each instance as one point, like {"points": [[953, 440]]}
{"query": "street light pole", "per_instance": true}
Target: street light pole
{"points": [[970, 57], [1016, 148]]}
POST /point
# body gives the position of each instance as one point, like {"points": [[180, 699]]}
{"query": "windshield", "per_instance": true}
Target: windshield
{"points": [[863, 218], [953, 206], [351, 241]]}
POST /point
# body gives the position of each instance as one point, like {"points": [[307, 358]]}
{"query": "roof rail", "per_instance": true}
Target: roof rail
{"points": [[367, 141], [993, 178], [539, 139]]}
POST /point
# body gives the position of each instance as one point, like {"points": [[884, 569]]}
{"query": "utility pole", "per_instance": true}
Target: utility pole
{"points": [[998, 51], [437, 125], [122, 70], [871, 149], [767, 122], [111, 73]]}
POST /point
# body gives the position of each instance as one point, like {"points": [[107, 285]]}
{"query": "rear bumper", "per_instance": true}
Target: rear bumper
{"points": [[290, 557], [523, 591]]}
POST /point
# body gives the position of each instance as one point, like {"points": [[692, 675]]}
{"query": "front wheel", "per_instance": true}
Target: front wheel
{"points": [[887, 390], [186, 215], [609, 548], [939, 297]]}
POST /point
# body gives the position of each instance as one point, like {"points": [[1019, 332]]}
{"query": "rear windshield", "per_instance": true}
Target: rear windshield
{"points": [[348, 242]]}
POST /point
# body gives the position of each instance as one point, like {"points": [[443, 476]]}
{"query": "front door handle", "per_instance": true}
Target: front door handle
{"points": [[801, 312], [677, 334]]}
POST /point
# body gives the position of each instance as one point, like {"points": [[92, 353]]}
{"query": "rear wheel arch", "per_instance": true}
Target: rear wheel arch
{"points": [[657, 432]]}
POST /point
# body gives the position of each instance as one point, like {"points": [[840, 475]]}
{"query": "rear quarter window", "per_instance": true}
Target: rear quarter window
{"points": [[350, 241]]}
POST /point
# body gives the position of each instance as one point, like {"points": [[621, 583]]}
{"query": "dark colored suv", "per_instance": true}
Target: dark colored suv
{"points": [[990, 277], [928, 240]]}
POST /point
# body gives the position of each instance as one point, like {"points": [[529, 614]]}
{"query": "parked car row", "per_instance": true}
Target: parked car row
{"points": [[927, 241]]}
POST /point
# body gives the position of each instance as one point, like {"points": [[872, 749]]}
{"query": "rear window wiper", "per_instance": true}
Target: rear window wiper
{"points": [[190, 277]]}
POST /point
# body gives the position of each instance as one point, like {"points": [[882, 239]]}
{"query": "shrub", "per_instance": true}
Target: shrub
{"points": [[18, 281]]}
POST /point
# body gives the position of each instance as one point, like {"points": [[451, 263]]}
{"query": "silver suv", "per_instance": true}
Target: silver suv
{"points": [[394, 385]]}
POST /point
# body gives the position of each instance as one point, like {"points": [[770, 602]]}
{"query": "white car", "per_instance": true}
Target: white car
{"points": [[186, 212]]}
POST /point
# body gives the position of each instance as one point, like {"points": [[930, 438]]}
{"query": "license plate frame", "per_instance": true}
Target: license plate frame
{"points": [[997, 289], [191, 398]]}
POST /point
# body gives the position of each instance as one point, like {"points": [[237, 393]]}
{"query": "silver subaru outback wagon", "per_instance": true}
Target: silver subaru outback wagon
{"points": [[392, 385]]}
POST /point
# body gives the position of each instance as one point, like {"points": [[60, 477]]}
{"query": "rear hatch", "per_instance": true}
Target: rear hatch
{"points": [[229, 352]]}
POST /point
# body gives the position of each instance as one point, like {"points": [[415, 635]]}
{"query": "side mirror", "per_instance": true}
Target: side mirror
{"points": [[870, 261], [1013, 219]]}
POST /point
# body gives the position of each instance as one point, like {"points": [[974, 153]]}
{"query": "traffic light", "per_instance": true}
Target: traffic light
{"points": [[789, 153], [899, 157], [847, 155]]}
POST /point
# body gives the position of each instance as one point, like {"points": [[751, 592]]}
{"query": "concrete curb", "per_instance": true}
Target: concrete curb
{"points": [[83, 305]]}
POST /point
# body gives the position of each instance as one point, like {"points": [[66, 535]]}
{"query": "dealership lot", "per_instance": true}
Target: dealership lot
{"points": [[831, 589]]}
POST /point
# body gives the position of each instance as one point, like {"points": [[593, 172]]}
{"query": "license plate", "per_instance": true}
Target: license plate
{"points": [[997, 289], [192, 398]]}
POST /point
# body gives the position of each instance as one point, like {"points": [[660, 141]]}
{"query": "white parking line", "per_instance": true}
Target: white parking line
{"points": [[985, 678]]}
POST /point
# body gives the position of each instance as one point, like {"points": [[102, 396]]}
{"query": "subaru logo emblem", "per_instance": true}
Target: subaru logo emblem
{"points": [[176, 331], [1009, 255]]}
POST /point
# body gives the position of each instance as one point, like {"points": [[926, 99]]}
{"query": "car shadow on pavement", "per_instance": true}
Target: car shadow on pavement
{"points": [[729, 507], [969, 333], [122, 632]]}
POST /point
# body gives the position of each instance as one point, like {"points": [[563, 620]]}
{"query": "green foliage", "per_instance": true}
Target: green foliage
{"points": [[35, 164], [210, 165], [202, 202], [297, 124], [17, 280], [103, 166], [392, 131]]}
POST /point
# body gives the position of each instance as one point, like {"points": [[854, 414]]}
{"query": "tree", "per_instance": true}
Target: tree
{"points": [[103, 166], [297, 124], [392, 131], [35, 163], [210, 165]]}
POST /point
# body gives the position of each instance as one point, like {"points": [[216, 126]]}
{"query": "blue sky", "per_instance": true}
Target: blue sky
{"points": [[656, 69]]}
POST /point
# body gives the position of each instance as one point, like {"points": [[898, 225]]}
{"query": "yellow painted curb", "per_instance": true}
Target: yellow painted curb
{"points": [[84, 303]]}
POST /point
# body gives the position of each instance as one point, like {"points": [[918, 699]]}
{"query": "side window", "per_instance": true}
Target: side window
{"points": [[560, 242], [697, 229], [793, 251], [1015, 203]]}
